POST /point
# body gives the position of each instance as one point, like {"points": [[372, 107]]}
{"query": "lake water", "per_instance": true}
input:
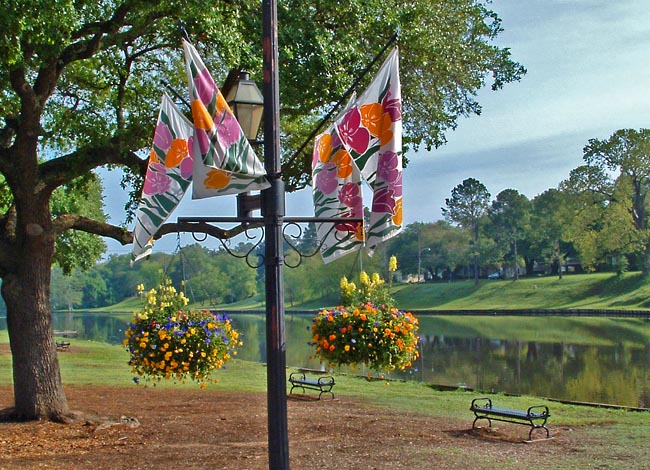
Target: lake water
{"points": [[603, 360]]}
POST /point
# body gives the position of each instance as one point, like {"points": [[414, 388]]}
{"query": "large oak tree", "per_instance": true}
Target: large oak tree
{"points": [[80, 86]]}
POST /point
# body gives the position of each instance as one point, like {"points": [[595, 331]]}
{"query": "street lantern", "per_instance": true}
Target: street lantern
{"points": [[247, 104]]}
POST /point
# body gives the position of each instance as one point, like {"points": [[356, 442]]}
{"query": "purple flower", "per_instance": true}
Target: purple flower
{"points": [[352, 133], [350, 195], [205, 87], [156, 181], [392, 106], [203, 139], [228, 131], [162, 137], [186, 168], [387, 167], [383, 201], [396, 186], [326, 180]]}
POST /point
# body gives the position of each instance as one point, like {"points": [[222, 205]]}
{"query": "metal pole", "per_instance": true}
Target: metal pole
{"points": [[273, 209]]}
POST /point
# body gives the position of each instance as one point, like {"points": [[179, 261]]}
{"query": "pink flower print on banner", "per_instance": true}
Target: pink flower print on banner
{"points": [[352, 227], [350, 195], [384, 201], [205, 87], [229, 131], [396, 186], [162, 137], [326, 180], [202, 137], [156, 181], [351, 132], [186, 168], [387, 169], [392, 106]]}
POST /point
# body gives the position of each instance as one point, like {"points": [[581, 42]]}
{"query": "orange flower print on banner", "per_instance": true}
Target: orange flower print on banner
{"points": [[202, 118], [371, 118], [153, 157], [222, 104], [324, 147], [176, 153], [343, 163], [217, 179], [386, 132], [360, 232], [397, 216]]}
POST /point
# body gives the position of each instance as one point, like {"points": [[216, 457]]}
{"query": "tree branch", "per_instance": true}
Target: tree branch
{"points": [[59, 171], [76, 222]]}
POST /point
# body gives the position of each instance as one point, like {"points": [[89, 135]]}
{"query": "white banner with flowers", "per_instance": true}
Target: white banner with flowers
{"points": [[371, 131], [168, 175], [225, 162], [336, 183]]}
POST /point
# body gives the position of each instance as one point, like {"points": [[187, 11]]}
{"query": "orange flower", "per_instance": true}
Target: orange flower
{"points": [[397, 217], [360, 232], [217, 179], [371, 118], [343, 163], [176, 153], [386, 134], [332, 347], [363, 317], [222, 104], [153, 157], [202, 118], [324, 147]]}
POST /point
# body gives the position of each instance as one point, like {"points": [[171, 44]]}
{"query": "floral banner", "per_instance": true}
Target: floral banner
{"points": [[225, 162], [336, 182], [371, 131], [168, 175]]}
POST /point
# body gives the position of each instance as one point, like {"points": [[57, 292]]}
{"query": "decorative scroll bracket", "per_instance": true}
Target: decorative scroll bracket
{"points": [[250, 223]]}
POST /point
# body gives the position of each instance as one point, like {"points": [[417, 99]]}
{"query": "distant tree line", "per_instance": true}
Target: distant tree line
{"points": [[595, 220]]}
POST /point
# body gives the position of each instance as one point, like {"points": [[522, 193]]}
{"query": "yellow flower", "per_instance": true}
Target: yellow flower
{"points": [[392, 264], [363, 278]]}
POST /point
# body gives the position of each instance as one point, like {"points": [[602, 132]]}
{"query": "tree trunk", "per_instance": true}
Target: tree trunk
{"points": [[516, 263], [38, 390], [645, 264]]}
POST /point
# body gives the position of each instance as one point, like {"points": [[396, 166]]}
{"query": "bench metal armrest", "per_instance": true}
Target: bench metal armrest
{"points": [[327, 380], [298, 376], [484, 402], [542, 414]]}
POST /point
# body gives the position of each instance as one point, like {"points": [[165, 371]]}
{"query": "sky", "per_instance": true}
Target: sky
{"points": [[588, 64]]}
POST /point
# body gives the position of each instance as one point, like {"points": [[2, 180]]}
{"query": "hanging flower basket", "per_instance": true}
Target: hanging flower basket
{"points": [[384, 338], [168, 341]]}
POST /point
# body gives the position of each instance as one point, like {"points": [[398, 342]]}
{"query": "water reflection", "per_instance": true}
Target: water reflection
{"points": [[611, 365]]}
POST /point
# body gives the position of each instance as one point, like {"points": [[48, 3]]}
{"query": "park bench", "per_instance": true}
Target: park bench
{"points": [[62, 345], [322, 384], [535, 416]]}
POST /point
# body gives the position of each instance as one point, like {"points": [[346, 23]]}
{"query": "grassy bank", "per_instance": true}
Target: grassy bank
{"points": [[577, 291]]}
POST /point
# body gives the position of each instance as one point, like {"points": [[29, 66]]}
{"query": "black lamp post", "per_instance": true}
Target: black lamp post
{"points": [[249, 106]]}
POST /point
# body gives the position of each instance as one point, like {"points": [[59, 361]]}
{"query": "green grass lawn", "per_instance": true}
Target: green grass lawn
{"points": [[576, 291], [579, 291]]}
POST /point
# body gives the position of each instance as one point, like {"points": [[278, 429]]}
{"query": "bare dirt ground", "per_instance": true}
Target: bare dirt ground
{"points": [[212, 429]]}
